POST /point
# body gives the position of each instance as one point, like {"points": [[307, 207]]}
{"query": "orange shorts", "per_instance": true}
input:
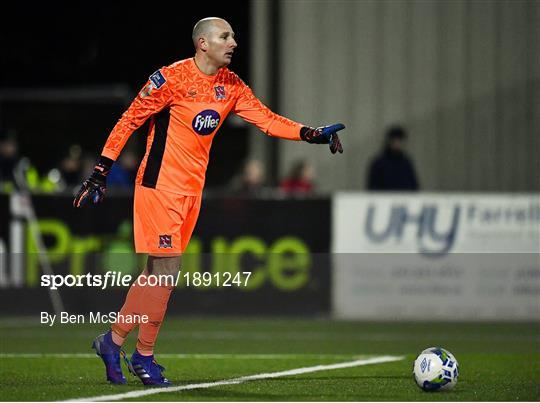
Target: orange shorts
{"points": [[163, 221]]}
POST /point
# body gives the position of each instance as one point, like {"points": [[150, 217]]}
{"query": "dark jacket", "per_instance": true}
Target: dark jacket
{"points": [[392, 170]]}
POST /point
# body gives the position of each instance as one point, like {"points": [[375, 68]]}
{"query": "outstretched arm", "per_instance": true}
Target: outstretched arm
{"points": [[252, 110]]}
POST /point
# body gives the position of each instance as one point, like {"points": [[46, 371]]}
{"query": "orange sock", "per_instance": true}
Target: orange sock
{"points": [[154, 305], [132, 306]]}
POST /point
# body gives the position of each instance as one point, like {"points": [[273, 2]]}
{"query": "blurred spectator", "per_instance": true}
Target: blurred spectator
{"points": [[9, 156], [299, 182], [71, 166], [17, 172], [392, 169], [252, 181], [124, 171]]}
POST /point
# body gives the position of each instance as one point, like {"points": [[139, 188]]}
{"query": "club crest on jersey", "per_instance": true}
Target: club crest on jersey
{"points": [[165, 241], [206, 122], [157, 79], [220, 92]]}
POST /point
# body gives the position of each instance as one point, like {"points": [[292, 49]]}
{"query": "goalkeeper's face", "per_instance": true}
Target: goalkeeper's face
{"points": [[221, 44]]}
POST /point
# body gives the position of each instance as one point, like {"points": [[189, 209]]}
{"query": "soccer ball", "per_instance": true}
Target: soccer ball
{"points": [[436, 369]]}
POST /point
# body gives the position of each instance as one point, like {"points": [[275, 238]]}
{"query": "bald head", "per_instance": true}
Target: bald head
{"points": [[214, 43], [204, 28]]}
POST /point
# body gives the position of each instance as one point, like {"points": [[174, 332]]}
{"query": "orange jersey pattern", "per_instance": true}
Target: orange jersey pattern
{"points": [[187, 108]]}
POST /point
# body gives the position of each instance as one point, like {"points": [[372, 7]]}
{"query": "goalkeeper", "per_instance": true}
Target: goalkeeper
{"points": [[186, 103]]}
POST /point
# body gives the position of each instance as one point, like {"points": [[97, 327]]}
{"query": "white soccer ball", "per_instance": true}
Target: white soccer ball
{"points": [[436, 369]]}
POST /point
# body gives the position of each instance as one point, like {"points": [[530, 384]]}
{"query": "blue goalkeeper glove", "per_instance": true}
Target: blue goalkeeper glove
{"points": [[324, 135], [95, 186]]}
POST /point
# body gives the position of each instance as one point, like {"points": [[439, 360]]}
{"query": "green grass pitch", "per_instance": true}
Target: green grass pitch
{"points": [[498, 362]]}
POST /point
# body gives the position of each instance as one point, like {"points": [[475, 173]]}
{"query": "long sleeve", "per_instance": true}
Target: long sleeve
{"points": [[153, 97], [252, 110]]}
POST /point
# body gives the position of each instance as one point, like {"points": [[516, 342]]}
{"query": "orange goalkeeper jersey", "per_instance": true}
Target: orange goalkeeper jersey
{"points": [[186, 108]]}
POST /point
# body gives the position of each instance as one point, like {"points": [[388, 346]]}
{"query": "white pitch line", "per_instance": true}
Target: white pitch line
{"points": [[29, 332], [235, 381]]}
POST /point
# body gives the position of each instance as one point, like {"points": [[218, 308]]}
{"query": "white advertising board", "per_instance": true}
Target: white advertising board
{"points": [[436, 256]]}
